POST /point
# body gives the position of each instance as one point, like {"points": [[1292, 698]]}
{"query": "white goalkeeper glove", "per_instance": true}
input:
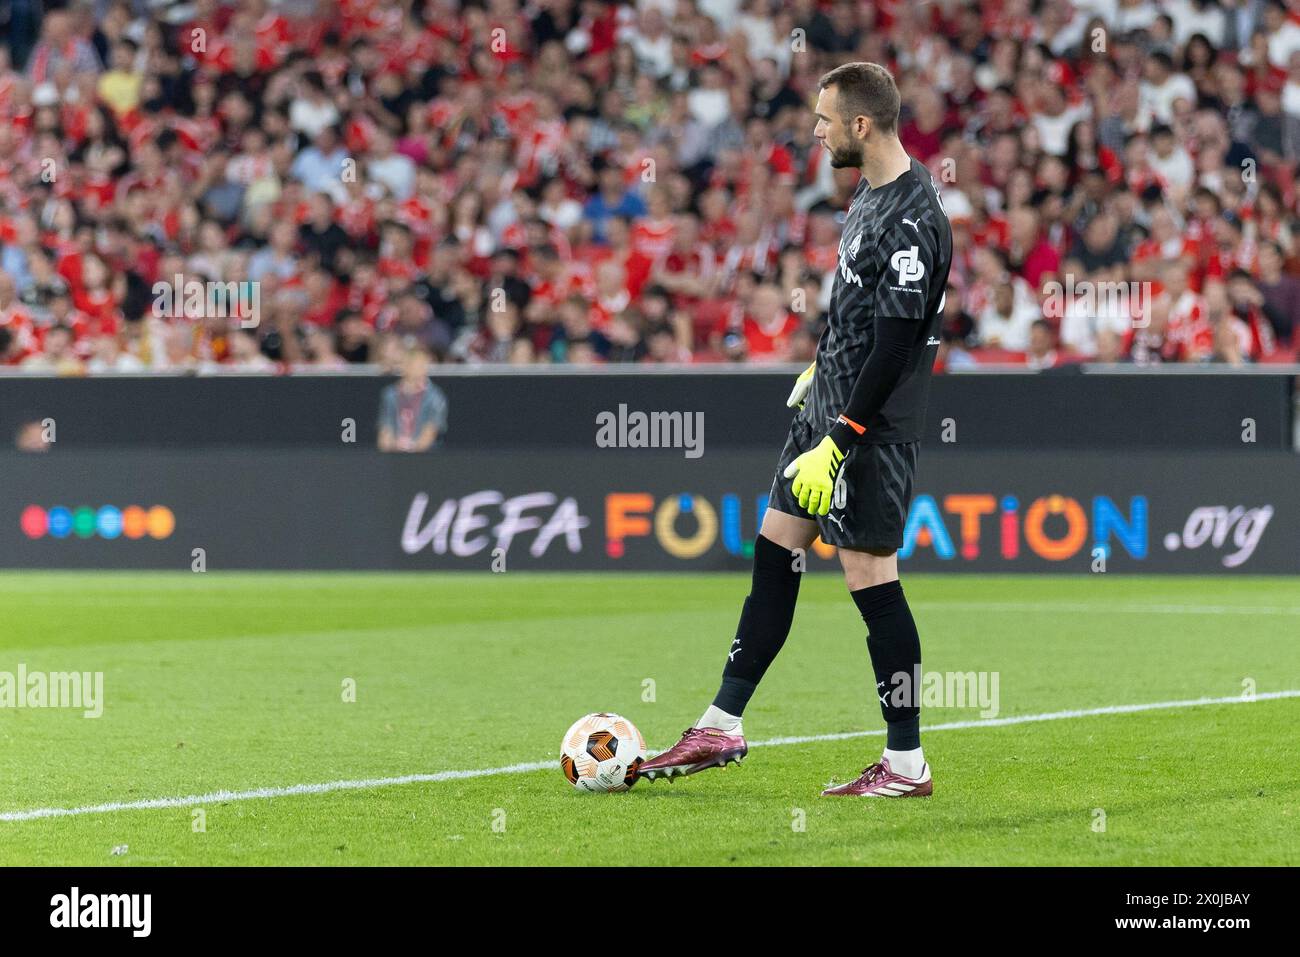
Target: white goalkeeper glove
{"points": [[801, 387]]}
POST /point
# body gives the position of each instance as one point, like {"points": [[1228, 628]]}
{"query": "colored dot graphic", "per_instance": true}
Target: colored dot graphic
{"points": [[108, 522]]}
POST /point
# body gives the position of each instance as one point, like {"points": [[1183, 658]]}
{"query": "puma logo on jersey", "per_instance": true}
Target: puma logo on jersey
{"points": [[845, 272], [912, 224], [907, 263], [932, 341]]}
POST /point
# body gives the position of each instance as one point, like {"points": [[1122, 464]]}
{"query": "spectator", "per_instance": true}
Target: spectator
{"points": [[321, 235], [612, 199], [119, 87], [107, 355], [1163, 86], [652, 160], [57, 354], [1007, 319], [1278, 293], [1042, 352], [32, 436], [412, 411], [245, 355], [1169, 160], [1110, 347], [62, 51], [312, 112], [321, 166], [390, 169]]}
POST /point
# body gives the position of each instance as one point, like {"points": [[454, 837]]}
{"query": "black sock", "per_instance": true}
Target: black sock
{"points": [[895, 650], [764, 624]]}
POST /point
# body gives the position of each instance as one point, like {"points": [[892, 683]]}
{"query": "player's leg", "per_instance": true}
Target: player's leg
{"points": [[878, 490], [895, 649], [765, 618], [718, 737]]}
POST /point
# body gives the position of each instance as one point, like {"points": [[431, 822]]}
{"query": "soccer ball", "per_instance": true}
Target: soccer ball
{"points": [[601, 752]]}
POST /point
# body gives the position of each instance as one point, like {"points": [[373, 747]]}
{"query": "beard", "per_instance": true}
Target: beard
{"points": [[847, 156]]}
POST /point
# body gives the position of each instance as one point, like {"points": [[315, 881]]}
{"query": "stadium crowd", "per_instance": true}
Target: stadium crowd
{"points": [[572, 181]]}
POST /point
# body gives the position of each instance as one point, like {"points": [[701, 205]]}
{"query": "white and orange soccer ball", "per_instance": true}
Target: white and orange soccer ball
{"points": [[601, 752]]}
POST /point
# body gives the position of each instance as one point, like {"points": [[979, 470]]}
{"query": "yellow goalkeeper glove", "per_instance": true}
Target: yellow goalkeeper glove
{"points": [[814, 475], [801, 387]]}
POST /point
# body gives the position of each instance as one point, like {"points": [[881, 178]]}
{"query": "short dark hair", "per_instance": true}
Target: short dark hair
{"points": [[865, 89]]}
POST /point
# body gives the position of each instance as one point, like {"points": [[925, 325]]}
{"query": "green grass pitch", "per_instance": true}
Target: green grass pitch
{"points": [[234, 682]]}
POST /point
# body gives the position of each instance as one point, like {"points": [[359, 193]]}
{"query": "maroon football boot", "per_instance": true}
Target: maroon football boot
{"points": [[698, 749], [880, 780]]}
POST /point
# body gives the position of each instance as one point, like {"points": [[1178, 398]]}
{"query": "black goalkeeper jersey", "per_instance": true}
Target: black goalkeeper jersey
{"points": [[894, 257]]}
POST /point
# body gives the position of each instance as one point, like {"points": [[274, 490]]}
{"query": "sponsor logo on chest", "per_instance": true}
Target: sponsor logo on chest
{"points": [[847, 274]]}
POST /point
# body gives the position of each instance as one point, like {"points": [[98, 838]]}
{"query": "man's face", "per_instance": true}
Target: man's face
{"points": [[845, 145], [415, 367], [1269, 259], [1108, 346], [1100, 232], [1175, 279], [57, 342]]}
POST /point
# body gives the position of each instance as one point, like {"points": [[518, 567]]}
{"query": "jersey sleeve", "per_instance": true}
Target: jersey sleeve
{"points": [[907, 272]]}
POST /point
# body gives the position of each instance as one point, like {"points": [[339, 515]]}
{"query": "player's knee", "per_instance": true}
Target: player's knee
{"points": [[868, 567], [788, 531]]}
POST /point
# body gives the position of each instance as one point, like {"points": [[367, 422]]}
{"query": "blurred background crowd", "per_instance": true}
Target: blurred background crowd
{"points": [[559, 181]]}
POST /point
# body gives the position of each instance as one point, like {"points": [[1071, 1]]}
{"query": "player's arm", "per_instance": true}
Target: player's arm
{"points": [[814, 472], [890, 356], [899, 304]]}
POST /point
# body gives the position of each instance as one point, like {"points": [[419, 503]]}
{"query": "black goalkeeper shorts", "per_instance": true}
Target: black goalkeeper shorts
{"points": [[872, 493]]}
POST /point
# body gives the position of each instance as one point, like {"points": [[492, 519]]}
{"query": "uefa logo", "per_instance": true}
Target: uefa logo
{"points": [[108, 521]]}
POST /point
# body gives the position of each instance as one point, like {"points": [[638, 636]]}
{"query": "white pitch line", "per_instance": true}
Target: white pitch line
{"points": [[1030, 718], [222, 797], [1121, 609]]}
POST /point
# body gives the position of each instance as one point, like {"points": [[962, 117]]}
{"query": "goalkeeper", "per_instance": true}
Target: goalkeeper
{"points": [[848, 466]]}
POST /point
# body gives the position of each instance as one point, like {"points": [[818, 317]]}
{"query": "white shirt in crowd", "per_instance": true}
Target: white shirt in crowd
{"points": [[1083, 320], [310, 118], [1160, 99], [1138, 15], [653, 56], [1177, 168], [710, 107], [1010, 331], [1054, 131], [1283, 43], [1291, 98], [396, 171], [1189, 19]]}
